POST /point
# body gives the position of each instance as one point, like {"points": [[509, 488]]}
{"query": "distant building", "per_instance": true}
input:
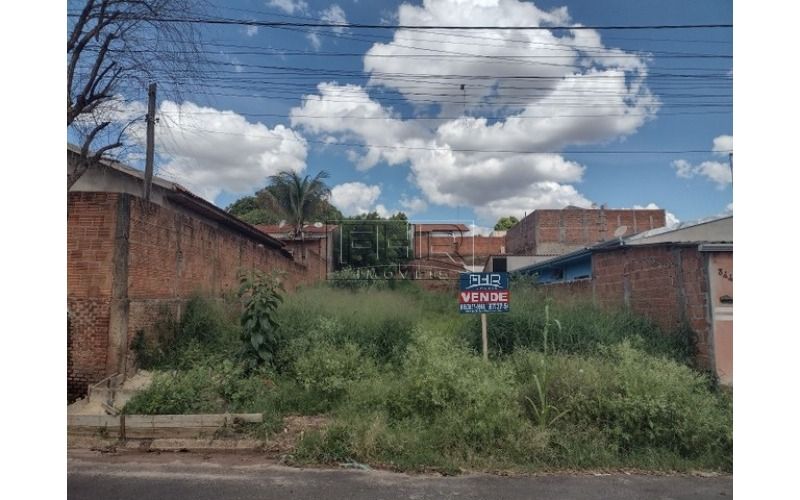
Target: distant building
{"points": [[312, 248], [455, 244], [557, 232]]}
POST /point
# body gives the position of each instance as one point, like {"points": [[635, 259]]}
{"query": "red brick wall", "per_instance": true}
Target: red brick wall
{"points": [[520, 237], [313, 254], [427, 246], [667, 284], [91, 220], [556, 232], [172, 255], [664, 283]]}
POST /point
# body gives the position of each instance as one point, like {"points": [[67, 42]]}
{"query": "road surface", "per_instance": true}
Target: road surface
{"points": [[194, 476]]}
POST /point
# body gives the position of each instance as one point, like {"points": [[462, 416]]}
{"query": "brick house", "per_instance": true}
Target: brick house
{"points": [[559, 231], [128, 259], [455, 244], [680, 278]]}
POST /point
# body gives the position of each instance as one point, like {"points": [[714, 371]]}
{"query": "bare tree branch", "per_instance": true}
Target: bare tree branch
{"points": [[115, 48]]}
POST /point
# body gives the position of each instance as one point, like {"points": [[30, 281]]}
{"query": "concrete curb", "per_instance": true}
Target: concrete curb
{"points": [[155, 427], [164, 444]]}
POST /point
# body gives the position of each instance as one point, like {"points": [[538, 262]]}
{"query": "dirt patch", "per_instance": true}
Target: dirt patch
{"points": [[294, 428]]}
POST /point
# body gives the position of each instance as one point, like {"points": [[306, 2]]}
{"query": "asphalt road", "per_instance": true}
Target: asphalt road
{"points": [[140, 476]]}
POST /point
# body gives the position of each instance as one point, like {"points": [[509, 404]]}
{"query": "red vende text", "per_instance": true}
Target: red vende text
{"points": [[483, 297]]}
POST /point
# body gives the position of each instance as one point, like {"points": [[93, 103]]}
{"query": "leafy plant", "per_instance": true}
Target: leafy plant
{"points": [[543, 410], [260, 338]]}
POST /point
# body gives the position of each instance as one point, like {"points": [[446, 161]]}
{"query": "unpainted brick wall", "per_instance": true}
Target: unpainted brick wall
{"points": [[172, 256], [91, 219], [665, 283], [461, 248], [556, 232]]}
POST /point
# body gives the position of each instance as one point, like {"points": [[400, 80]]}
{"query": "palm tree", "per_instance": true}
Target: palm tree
{"points": [[297, 198]]}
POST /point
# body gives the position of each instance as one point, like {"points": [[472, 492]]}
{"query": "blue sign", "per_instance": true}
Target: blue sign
{"points": [[484, 293], [484, 281]]}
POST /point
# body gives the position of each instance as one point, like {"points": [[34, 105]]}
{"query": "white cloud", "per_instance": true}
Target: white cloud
{"points": [[384, 212], [251, 31], [211, 151], [513, 181], [671, 219], [414, 205], [723, 145], [497, 54], [729, 208], [315, 40], [354, 198], [717, 172], [539, 195], [334, 14], [499, 166], [683, 169], [289, 6]]}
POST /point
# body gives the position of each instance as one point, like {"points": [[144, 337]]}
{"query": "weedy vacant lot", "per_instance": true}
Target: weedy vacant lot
{"points": [[399, 377]]}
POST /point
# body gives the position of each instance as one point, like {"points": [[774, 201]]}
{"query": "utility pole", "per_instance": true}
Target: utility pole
{"points": [[151, 123]]}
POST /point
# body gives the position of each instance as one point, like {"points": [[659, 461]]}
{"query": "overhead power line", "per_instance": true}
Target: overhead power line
{"points": [[279, 24], [317, 19], [183, 127]]}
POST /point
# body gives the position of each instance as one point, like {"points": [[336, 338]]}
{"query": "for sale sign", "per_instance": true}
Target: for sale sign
{"points": [[484, 293]]}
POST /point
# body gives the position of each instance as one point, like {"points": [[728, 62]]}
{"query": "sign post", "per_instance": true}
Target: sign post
{"points": [[482, 293], [484, 337]]}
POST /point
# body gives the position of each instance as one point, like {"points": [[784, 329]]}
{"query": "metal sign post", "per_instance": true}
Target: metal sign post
{"points": [[482, 293], [485, 337]]}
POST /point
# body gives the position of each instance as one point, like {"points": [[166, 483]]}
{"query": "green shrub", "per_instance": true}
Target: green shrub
{"points": [[357, 280], [403, 389], [636, 400], [260, 336], [205, 330], [205, 321], [174, 393], [379, 323], [584, 328], [328, 369]]}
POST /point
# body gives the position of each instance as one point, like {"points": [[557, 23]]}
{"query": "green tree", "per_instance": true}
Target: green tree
{"points": [[249, 210], [357, 247], [281, 200], [505, 223], [295, 197]]}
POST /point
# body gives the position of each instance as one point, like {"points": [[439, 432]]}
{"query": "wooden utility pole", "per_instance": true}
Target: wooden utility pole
{"points": [[484, 337], [151, 124]]}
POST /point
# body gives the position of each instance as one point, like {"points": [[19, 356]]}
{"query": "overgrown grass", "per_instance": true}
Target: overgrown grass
{"points": [[398, 375], [584, 328]]}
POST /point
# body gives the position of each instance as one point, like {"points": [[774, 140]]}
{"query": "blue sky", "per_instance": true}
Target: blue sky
{"points": [[606, 91]]}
